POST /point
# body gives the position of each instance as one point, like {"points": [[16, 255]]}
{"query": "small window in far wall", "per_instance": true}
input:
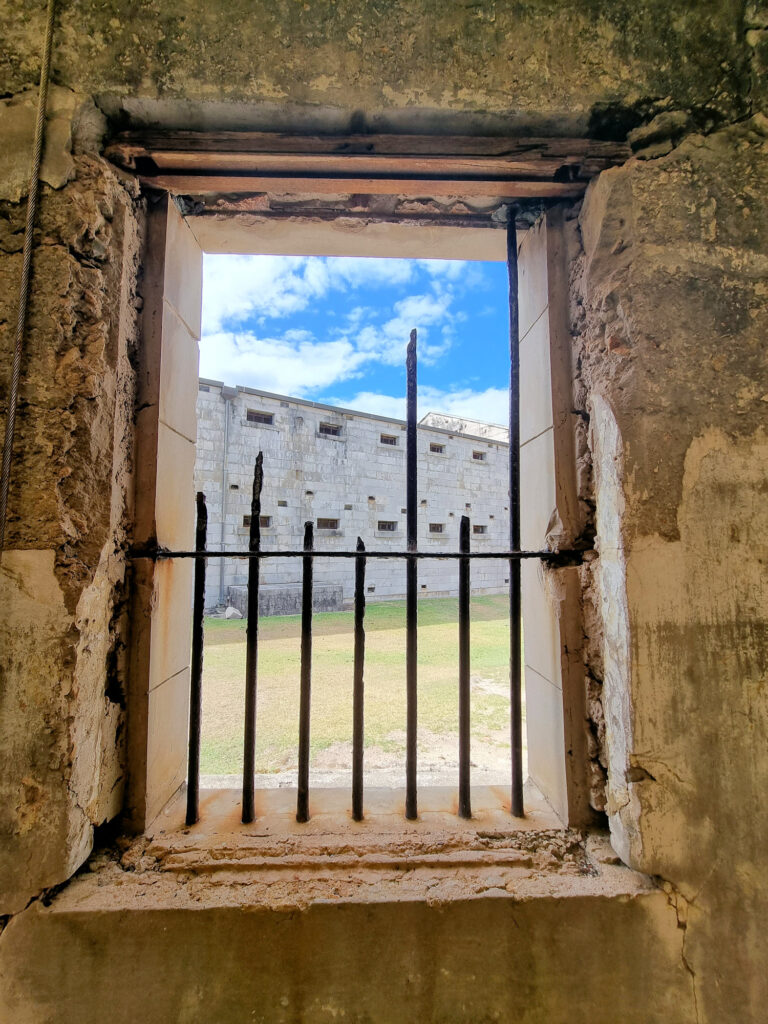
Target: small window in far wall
{"points": [[264, 521], [387, 526], [478, 456], [282, 504], [389, 439], [477, 528], [330, 429], [203, 387], [257, 416], [436, 527], [327, 524], [437, 449]]}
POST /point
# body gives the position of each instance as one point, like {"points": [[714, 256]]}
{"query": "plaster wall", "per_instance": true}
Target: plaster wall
{"points": [[678, 434], [353, 478]]}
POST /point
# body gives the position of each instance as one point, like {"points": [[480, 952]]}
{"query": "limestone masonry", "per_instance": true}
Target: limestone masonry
{"points": [[344, 471]]}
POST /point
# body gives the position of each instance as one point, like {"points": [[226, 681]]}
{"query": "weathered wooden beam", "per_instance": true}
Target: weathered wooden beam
{"points": [[413, 188], [412, 166], [130, 145], [354, 164]]}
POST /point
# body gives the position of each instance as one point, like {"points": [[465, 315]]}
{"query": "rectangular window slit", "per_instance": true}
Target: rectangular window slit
{"points": [[478, 456], [281, 503], [389, 439], [479, 529], [257, 416], [437, 449], [330, 429], [387, 526], [436, 527], [327, 524]]}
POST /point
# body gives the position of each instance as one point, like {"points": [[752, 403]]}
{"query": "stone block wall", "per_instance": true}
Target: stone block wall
{"points": [[353, 478]]}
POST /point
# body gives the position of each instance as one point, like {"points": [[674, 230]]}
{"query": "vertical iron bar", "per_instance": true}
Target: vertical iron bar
{"points": [[515, 607], [302, 803], [252, 644], [358, 695], [411, 582], [465, 806], [196, 667]]}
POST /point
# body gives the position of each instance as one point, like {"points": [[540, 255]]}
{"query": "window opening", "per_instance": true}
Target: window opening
{"points": [[477, 528], [257, 416], [332, 429], [387, 526], [281, 503], [264, 521], [437, 449], [478, 456]]}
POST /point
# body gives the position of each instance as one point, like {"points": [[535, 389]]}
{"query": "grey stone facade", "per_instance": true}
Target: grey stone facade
{"points": [[345, 471]]}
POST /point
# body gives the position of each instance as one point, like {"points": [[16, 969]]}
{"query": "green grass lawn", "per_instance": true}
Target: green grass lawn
{"points": [[332, 663]]}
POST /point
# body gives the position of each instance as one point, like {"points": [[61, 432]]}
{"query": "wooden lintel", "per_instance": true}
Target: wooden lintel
{"points": [[412, 188], [288, 164], [129, 146]]}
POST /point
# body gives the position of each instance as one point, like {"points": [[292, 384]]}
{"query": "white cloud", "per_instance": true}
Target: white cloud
{"points": [[292, 365], [238, 287], [386, 342], [488, 406]]}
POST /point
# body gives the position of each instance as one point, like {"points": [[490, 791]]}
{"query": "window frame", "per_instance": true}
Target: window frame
{"points": [[167, 252]]}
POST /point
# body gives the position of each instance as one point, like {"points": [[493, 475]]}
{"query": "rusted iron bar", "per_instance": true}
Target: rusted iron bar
{"points": [[411, 582], [566, 556], [515, 605], [26, 265], [465, 804], [252, 645], [358, 690], [196, 667], [302, 803]]}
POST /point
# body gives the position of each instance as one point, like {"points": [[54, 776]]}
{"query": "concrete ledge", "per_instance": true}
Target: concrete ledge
{"points": [[135, 952], [380, 921]]}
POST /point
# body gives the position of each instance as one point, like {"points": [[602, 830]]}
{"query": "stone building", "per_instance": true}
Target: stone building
{"points": [[345, 472], [629, 144]]}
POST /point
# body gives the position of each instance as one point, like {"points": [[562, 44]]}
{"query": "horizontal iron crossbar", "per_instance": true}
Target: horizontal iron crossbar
{"points": [[552, 556]]}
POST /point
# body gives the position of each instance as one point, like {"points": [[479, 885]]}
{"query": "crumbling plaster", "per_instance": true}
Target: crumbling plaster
{"points": [[678, 406], [61, 703]]}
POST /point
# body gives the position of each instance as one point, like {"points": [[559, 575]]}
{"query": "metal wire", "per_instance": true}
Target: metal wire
{"points": [[34, 188]]}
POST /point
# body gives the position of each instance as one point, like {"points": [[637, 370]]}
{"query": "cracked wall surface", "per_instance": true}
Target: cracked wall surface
{"points": [[62, 640], [672, 323], [669, 329]]}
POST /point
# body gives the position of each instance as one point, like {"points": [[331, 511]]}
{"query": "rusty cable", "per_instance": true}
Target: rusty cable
{"points": [[34, 189]]}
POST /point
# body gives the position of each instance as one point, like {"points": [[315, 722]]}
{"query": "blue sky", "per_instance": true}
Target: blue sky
{"points": [[334, 330]]}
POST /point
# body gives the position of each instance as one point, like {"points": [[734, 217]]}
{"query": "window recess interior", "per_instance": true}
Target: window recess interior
{"points": [[175, 240]]}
